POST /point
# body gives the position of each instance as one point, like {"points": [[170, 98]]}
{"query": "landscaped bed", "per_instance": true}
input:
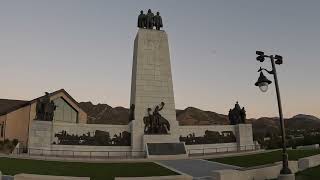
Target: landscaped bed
{"points": [[265, 158], [309, 174], [96, 171]]}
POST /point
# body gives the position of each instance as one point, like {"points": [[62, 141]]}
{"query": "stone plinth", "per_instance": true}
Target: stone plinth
{"points": [[151, 82], [167, 144], [40, 135], [46, 177], [160, 138], [286, 177], [244, 137]]}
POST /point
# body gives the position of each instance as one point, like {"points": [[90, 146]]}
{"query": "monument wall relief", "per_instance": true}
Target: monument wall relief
{"points": [[98, 138], [209, 137]]}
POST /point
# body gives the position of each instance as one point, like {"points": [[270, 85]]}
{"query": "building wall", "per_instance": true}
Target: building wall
{"points": [[3, 120], [82, 116], [17, 123]]}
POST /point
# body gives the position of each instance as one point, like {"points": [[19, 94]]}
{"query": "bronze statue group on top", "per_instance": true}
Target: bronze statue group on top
{"points": [[149, 20]]}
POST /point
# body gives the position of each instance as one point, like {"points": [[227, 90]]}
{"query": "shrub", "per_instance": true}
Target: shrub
{"points": [[15, 142], [1, 145]]}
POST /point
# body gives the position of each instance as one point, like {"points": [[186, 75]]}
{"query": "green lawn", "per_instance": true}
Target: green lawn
{"points": [[309, 174], [97, 171], [265, 158]]}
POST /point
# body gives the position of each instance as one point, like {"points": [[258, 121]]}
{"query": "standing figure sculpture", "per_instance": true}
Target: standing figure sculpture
{"points": [[157, 116], [141, 20], [149, 20], [131, 112], [45, 108], [237, 115], [243, 115], [158, 21]]}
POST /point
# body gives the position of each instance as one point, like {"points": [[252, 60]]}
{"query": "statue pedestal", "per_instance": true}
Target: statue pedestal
{"points": [[160, 138], [40, 135], [286, 177], [164, 146], [244, 137]]}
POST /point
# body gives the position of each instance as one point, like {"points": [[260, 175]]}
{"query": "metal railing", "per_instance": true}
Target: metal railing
{"points": [[124, 154], [79, 154], [207, 151]]}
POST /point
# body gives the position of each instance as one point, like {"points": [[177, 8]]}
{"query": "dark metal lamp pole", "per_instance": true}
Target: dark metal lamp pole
{"points": [[263, 83]]}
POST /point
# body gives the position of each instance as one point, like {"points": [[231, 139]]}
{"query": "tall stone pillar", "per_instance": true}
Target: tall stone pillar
{"points": [[151, 83]]}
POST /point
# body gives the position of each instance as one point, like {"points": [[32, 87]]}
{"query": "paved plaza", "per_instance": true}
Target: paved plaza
{"points": [[198, 168]]}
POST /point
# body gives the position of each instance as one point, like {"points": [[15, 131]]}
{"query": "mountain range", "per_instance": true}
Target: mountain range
{"points": [[105, 114]]}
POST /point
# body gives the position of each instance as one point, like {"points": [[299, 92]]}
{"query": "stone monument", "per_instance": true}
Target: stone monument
{"points": [[152, 92]]}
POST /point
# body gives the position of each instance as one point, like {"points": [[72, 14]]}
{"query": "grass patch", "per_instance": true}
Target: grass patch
{"points": [[309, 174], [265, 158], [96, 171]]}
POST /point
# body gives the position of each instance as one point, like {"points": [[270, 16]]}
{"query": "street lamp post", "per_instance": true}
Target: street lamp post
{"points": [[263, 83]]}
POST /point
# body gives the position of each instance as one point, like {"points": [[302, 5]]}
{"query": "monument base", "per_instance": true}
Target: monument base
{"points": [[164, 146], [286, 177]]}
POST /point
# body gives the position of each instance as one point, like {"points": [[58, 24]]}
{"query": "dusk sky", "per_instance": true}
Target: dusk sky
{"points": [[86, 47]]}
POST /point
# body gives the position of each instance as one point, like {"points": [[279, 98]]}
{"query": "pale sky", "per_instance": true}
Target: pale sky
{"points": [[86, 47]]}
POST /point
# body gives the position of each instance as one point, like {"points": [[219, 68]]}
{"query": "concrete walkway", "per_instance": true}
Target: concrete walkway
{"points": [[197, 168], [4, 177]]}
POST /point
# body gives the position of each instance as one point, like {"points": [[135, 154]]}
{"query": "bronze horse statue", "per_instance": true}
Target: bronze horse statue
{"points": [[155, 123]]}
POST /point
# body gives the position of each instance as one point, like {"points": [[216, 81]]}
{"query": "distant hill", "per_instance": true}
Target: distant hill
{"points": [[194, 116], [105, 114]]}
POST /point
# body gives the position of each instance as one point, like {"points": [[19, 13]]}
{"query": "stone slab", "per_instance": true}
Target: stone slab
{"points": [[165, 149], [46, 177], [176, 177], [196, 167]]}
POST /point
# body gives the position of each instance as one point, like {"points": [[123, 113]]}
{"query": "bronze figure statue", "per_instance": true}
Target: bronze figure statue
{"points": [[131, 112], [158, 21], [237, 115], [141, 20], [155, 123], [45, 108], [149, 20]]}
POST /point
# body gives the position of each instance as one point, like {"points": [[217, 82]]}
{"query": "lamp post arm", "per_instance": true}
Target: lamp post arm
{"points": [[266, 70], [285, 166]]}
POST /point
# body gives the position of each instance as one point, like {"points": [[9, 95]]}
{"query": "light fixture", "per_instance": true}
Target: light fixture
{"points": [[263, 82]]}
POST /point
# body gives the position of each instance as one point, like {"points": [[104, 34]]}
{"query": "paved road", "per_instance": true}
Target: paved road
{"points": [[7, 177], [198, 168]]}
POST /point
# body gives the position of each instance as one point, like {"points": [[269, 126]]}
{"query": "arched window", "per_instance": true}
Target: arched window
{"points": [[64, 112]]}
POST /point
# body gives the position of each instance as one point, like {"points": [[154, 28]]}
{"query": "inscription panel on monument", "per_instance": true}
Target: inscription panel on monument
{"points": [[166, 148]]}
